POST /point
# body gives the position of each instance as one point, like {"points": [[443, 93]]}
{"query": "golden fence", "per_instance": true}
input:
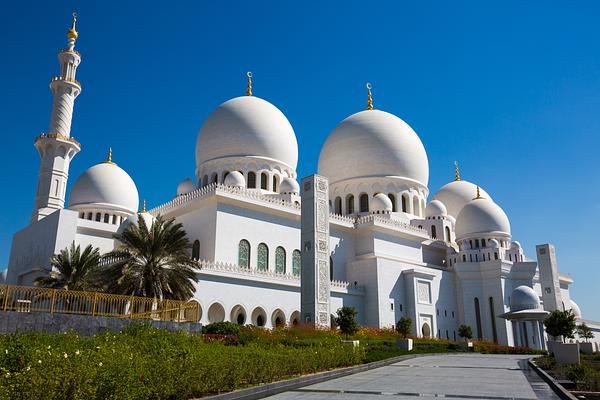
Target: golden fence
{"points": [[37, 299]]}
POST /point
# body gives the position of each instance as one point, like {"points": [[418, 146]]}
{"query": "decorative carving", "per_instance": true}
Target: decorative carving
{"points": [[424, 292]]}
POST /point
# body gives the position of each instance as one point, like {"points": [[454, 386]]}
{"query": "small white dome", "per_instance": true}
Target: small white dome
{"points": [[493, 243], [456, 194], [247, 126], [524, 298], [289, 185], [235, 179], [186, 186], [373, 143], [435, 208], [134, 219], [482, 217], [576, 310], [381, 204], [105, 186], [514, 245]]}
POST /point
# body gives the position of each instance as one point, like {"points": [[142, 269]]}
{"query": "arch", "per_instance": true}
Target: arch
{"points": [[262, 257], [350, 204], [90, 216], [98, 217], [416, 206], [251, 183], [275, 183], [238, 314], [295, 318], [189, 313], [433, 232], [216, 313], [278, 318], [280, 260], [106, 218], [393, 200], [224, 176], [404, 203], [264, 181], [478, 318], [447, 233], [337, 205], [244, 254], [363, 201], [214, 177], [259, 317], [196, 250], [493, 317], [426, 330], [464, 258], [330, 268], [296, 262]]}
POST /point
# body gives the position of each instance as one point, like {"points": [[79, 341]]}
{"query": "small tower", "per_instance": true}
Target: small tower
{"points": [[57, 148]]}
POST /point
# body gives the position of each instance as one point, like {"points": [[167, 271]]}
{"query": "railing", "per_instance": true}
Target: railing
{"points": [[392, 223], [36, 299], [57, 136]]}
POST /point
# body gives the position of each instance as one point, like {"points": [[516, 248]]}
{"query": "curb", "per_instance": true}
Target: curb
{"points": [[556, 387], [269, 389]]}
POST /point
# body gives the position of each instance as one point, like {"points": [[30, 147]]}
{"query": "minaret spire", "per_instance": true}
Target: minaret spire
{"points": [[456, 172], [249, 84], [109, 156], [57, 148], [369, 96]]}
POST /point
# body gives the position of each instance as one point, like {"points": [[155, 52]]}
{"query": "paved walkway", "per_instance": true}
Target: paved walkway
{"points": [[472, 376]]}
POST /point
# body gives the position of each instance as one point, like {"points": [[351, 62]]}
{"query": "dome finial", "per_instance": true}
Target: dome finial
{"points": [[72, 34], [143, 206], [478, 196], [369, 96], [456, 173], [249, 85], [109, 156]]}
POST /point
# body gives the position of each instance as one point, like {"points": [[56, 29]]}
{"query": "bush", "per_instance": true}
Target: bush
{"points": [[404, 326], [222, 328], [346, 320], [465, 331]]}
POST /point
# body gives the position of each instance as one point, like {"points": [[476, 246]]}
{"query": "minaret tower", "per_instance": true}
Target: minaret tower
{"points": [[57, 148]]}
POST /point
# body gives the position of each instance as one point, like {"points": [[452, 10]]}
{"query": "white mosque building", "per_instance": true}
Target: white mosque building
{"points": [[443, 262]]}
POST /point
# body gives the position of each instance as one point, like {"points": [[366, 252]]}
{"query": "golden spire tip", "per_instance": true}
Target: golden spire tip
{"points": [[369, 96], [478, 193], [72, 34], [456, 172], [249, 85], [143, 206], [109, 156]]}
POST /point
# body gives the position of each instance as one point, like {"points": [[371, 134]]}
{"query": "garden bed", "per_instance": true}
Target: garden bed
{"points": [[584, 377]]}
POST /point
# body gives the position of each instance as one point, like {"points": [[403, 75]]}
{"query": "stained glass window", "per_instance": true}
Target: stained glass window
{"points": [[280, 260], [262, 258], [296, 262], [244, 254]]}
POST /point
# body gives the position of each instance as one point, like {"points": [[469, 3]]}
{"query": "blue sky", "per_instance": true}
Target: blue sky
{"points": [[510, 90]]}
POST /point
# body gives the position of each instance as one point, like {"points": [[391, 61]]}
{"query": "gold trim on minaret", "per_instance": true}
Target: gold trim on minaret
{"points": [[369, 97], [72, 34], [143, 206], [109, 157], [249, 85], [478, 196], [456, 172]]}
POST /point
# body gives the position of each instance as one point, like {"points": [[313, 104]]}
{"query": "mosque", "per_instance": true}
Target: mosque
{"points": [[443, 262]]}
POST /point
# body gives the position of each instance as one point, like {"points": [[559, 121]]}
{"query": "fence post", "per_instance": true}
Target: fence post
{"points": [[6, 297], [53, 298], [94, 304]]}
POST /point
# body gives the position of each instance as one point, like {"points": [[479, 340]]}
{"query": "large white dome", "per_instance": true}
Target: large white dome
{"points": [[373, 143], [247, 126], [105, 186], [482, 216], [456, 194]]}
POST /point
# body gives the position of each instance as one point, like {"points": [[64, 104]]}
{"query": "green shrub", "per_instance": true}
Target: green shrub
{"points": [[222, 328], [404, 326], [346, 320]]}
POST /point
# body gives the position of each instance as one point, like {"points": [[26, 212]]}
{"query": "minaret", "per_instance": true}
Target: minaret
{"points": [[57, 148]]}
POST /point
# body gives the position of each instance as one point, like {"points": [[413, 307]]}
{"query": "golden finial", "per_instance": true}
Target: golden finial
{"points": [[109, 156], [143, 206], [369, 97], [249, 86], [478, 194], [456, 173], [72, 34]]}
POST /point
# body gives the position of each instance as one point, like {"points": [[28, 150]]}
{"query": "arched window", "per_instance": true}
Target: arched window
{"points": [[404, 203], [244, 254], [447, 231], [363, 201], [330, 268], [264, 181], [493, 316], [114, 219], [478, 318], [338, 205], [251, 180], [464, 258], [393, 200], [225, 176], [214, 178], [350, 204], [416, 206], [280, 260], [296, 262], [275, 183], [90, 216], [98, 217], [262, 257], [433, 232], [106, 218], [196, 250], [495, 255]]}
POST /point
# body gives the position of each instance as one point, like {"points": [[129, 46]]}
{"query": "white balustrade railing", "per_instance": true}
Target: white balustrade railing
{"points": [[390, 222]]}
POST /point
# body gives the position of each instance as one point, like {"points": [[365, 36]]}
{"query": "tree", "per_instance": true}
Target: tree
{"points": [[560, 323], [584, 331], [404, 326], [465, 331], [346, 320], [152, 262], [72, 268]]}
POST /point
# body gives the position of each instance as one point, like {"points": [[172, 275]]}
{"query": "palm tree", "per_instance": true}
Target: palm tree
{"points": [[152, 262], [71, 268]]}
